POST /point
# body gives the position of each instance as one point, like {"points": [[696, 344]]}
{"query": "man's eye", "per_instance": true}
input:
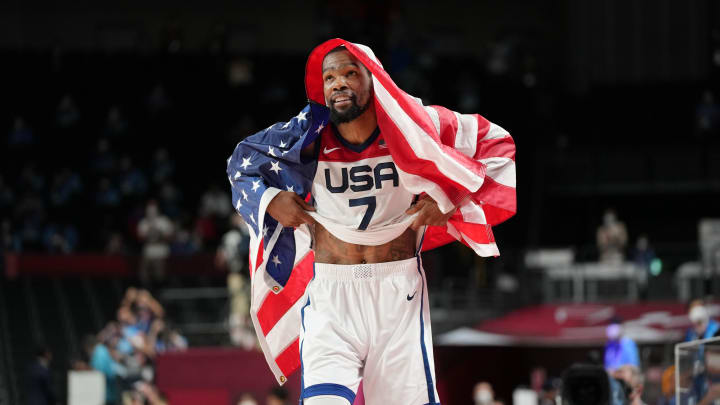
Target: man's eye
{"points": [[352, 73], [328, 78]]}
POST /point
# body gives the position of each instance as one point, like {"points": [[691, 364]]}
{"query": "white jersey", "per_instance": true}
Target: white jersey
{"points": [[357, 191]]}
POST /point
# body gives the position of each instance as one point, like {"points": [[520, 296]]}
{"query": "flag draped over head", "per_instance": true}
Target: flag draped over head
{"points": [[460, 160]]}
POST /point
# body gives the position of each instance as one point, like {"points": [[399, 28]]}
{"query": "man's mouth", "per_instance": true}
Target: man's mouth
{"points": [[342, 101]]}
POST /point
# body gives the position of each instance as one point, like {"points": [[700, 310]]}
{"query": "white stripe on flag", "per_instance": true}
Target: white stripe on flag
{"points": [[286, 329], [466, 135], [500, 169], [495, 132], [473, 213]]}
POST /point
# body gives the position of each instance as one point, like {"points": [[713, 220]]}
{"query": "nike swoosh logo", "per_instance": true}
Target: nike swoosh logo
{"points": [[409, 298], [326, 150]]}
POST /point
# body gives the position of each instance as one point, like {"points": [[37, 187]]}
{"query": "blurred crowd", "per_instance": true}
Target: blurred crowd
{"points": [[622, 376], [125, 349], [117, 193]]}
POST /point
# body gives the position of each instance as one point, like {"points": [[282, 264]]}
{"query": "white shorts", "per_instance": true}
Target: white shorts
{"points": [[369, 322]]}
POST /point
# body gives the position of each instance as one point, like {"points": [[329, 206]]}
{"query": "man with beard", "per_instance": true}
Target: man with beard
{"points": [[352, 186]]}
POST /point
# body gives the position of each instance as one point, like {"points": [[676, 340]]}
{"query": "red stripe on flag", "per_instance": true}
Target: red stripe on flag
{"points": [[275, 306], [289, 360], [258, 259], [448, 131], [483, 126], [436, 236], [499, 201], [498, 147], [478, 233]]}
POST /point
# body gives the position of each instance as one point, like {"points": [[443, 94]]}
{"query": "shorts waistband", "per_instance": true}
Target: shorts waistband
{"points": [[368, 271]]}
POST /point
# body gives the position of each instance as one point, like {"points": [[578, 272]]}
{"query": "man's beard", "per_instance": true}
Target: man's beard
{"points": [[337, 117]]}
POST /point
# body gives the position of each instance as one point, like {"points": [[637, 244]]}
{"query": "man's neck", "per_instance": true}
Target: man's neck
{"points": [[359, 130]]}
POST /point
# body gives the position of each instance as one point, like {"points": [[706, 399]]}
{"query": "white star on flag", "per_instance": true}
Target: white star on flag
{"points": [[265, 230], [256, 185], [276, 260], [271, 151], [252, 217], [245, 197], [290, 188], [275, 167], [237, 175], [282, 144], [238, 205], [245, 163], [322, 125], [301, 116], [287, 124]]}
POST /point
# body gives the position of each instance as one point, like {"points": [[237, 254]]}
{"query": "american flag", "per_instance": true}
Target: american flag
{"points": [[457, 159]]}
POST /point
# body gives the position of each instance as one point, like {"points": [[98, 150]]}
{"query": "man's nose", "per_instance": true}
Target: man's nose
{"points": [[339, 84]]}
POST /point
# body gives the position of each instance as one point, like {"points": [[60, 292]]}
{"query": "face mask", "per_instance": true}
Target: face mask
{"points": [[483, 397]]}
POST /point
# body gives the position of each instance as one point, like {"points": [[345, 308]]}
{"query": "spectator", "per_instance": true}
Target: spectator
{"points": [[233, 250], [60, 239], [643, 255], [246, 399], [185, 242], [7, 197], [712, 365], [39, 386], [130, 332], [165, 338], [150, 394], [31, 179], [633, 378], [668, 386], [483, 394], [619, 350], [277, 396], [611, 238], [9, 240], [148, 310], [155, 230], [66, 185], [170, 199], [103, 162], [132, 180], [67, 114], [116, 244], [102, 360], [703, 326], [549, 392], [115, 125], [215, 202], [20, 135], [162, 167], [107, 195]]}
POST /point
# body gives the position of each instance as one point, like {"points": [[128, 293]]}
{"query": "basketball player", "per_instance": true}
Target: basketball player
{"points": [[367, 327], [366, 310]]}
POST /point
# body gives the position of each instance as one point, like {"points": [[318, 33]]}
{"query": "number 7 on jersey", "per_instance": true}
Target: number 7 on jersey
{"points": [[371, 202]]}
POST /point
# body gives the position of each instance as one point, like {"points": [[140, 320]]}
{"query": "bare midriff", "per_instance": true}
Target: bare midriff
{"points": [[329, 249]]}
